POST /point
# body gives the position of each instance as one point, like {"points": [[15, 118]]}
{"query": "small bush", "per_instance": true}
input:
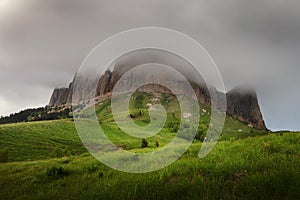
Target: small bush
{"points": [[186, 125], [136, 114], [132, 116], [175, 128], [4, 155], [173, 125], [57, 172], [201, 132], [144, 143], [156, 144], [174, 115], [140, 113]]}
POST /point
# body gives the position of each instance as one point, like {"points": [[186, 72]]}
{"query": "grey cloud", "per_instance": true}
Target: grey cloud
{"points": [[253, 42]]}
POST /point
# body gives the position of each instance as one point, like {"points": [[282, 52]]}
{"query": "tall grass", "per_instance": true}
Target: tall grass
{"points": [[242, 169]]}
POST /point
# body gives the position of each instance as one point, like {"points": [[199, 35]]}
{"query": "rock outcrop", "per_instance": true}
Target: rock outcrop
{"points": [[59, 97], [242, 105]]}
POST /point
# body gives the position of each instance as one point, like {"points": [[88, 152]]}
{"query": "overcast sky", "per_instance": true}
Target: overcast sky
{"points": [[257, 42]]}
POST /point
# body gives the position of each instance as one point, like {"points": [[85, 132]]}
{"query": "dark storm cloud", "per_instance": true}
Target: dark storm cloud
{"points": [[42, 43]]}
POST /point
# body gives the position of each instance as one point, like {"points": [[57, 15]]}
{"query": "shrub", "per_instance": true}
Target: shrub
{"points": [[144, 143], [4, 155], [173, 125], [57, 172], [186, 125], [140, 113], [175, 128], [156, 144], [200, 135], [174, 115], [136, 114]]}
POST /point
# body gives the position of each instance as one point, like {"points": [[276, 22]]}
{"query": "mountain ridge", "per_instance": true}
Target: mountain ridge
{"points": [[240, 104]]}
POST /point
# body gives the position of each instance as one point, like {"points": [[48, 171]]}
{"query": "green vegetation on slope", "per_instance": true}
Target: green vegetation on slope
{"points": [[37, 114], [46, 160], [265, 167], [40, 140]]}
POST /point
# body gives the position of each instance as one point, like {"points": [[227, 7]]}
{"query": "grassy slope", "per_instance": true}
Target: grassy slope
{"points": [[40, 140], [260, 166]]}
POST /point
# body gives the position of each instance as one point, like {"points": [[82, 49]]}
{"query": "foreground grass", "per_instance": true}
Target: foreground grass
{"points": [[265, 167]]}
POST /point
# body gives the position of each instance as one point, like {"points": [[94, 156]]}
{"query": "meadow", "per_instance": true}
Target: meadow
{"points": [[46, 160]]}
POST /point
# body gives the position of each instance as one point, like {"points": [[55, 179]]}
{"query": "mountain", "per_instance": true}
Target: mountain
{"points": [[59, 97], [241, 104]]}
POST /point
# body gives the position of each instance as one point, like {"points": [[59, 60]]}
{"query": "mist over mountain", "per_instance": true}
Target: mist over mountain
{"points": [[242, 104]]}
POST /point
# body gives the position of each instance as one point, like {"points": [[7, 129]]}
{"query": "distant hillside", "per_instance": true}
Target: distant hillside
{"points": [[37, 114]]}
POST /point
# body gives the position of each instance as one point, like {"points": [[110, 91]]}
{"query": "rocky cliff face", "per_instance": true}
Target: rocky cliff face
{"points": [[59, 97], [243, 105], [240, 104]]}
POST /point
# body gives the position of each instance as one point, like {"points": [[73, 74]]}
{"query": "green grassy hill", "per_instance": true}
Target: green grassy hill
{"points": [[40, 140], [46, 160]]}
